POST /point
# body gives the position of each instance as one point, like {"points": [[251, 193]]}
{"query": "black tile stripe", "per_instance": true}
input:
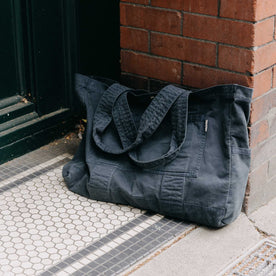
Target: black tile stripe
{"points": [[134, 249], [96, 245], [33, 175], [24, 163]]}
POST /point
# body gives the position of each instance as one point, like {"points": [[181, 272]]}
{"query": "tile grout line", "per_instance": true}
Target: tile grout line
{"points": [[111, 253], [34, 169], [152, 245], [93, 260], [131, 233], [80, 249], [154, 237], [83, 253], [32, 175]]}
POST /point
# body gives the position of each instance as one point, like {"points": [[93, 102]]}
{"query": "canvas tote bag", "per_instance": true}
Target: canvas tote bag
{"points": [[179, 153]]}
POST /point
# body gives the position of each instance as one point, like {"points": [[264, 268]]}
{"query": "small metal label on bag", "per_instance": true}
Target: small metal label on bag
{"points": [[206, 125]]}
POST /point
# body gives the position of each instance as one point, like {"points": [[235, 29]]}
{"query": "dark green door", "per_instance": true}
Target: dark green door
{"points": [[43, 44], [51, 37], [9, 63]]}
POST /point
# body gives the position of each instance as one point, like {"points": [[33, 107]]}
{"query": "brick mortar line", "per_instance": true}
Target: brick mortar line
{"points": [[182, 23], [175, 35], [263, 19], [161, 81], [254, 125], [220, 17], [217, 54], [189, 38], [259, 144], [182, 73], [254, 74], [273, 90], [219, 5], [194, 88], [149, 41], [274, 27], [271, 137], [272, 75], [256, 48], [265, 69], [134, 75], [147, 79], [182, 68], [139, 76], [195, 13], [251, 48], [150, 7], [184, 62]]}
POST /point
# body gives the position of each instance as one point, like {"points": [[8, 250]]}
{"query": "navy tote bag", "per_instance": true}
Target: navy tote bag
{"points": [[178, 153]]}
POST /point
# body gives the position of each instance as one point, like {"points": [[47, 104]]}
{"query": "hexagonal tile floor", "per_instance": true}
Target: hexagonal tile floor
{"points": [[47, 230]]}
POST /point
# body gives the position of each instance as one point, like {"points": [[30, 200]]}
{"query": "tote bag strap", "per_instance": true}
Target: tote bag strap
{"points": [[113, 106], [153, 117], [150, 120], [103, 117]]}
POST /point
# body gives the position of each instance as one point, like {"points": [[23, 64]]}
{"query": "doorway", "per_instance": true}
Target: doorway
{"points": [[44, 43]]}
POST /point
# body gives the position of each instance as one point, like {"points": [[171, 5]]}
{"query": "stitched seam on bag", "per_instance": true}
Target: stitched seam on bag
{"points": [[202, 146], [172, 191], [161, 172], [202, 141], [229, 155], [76, 162], [105, 163], [219, 220], [242, 99], [121, 168], [202, 137], [109, 182], [159, 193], [244, 151], [107, 177], [187, 174], [203, 206]]}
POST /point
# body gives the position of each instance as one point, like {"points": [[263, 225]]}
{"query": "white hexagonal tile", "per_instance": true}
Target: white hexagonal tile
{"points": [[15, 263], [35, 260], [6, 269], [13, 257], [10, 250], [5, 238], [29, 271], [17, 270], [22, 251], [38, 266]]}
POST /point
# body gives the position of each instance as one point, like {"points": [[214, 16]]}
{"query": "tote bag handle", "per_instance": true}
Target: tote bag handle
{"points": [[114, 106], [154, 116]]}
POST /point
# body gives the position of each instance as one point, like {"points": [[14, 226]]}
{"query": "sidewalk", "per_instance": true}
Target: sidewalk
{"points": [[47, 230], [209, 252]]}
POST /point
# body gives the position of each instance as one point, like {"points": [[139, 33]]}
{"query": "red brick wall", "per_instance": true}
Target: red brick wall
{"points": [[203, 43]]}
